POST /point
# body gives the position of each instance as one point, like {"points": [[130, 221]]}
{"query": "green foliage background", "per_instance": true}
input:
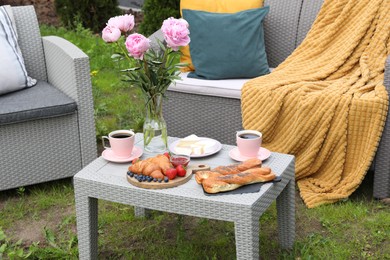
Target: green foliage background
{"points": [[92, 14], [156, 11]]}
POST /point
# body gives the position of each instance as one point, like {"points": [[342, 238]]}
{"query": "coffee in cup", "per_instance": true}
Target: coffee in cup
{"points": [[121, 142], [249, 142]]}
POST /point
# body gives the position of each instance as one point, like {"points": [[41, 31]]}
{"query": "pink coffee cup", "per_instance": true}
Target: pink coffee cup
{"points": [[249, 142], [121, 142]]}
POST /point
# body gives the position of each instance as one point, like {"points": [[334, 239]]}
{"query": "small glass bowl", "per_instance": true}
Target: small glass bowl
{"points": [[179, 159]]}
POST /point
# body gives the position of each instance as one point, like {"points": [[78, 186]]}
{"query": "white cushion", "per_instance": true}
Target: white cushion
{"points": [[13, 73], [229, 88]]}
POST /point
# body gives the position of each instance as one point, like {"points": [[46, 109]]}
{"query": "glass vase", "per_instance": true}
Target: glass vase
{"points": [[155, 128]]}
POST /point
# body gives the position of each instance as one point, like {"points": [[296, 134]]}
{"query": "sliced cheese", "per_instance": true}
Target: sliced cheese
{"points": [[188, 141], [193, 145], [197, 149], [208, 145], [183, 150]]}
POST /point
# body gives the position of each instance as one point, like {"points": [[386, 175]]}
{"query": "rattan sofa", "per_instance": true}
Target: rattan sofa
{"points": [[213, 109], [47, 132]]}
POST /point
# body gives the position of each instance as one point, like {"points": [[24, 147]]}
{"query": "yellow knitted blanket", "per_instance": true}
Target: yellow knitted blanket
{"points": [[326, 103]]}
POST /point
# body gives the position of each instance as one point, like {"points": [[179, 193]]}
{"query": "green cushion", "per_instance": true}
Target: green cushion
{"points": [[227, 45]]}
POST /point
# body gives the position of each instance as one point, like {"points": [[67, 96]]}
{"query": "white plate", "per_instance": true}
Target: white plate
{"points": [[216, 148], [109, 155], [263, 154]]}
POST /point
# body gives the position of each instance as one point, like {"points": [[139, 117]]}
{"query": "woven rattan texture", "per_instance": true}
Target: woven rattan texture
{"points": [[104, 180], [308, 15], [25, 144], [68, 69], [52, 148], [280, 29], [382, 159], [208, 116], [30, 41]]}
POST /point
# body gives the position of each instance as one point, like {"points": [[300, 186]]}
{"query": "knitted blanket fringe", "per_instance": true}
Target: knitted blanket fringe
{"points": [[326, 103]]}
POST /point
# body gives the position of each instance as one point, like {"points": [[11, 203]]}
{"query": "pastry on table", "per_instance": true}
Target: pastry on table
{"points": [[220, 183], [236, 168], [157, 165], [229, 169]]}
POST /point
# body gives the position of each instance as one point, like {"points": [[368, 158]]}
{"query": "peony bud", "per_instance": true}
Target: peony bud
{"points": [[176, 32], [137, 45], [125, 23], [111, 34]]}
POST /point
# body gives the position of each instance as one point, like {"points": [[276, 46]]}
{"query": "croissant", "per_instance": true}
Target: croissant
{"points": [[236, 168], [144, 167], [157, 174], [158, 163], [229, 182], [162, 161]]}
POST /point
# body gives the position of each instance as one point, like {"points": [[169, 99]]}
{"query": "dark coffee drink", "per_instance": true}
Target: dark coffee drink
{"points": [[248, 136], [121, 135]]}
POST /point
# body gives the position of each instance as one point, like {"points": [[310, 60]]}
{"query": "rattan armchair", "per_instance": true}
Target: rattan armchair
{"points": [[56, 146]]}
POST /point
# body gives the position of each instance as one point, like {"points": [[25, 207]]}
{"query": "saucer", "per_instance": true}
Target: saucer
{"points": [[109, 155], [263, 154]]}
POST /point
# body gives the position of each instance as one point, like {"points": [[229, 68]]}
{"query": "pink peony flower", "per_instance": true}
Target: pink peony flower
{"points": [[176, 32], [137, 45], [111, 34], [125, 23]]}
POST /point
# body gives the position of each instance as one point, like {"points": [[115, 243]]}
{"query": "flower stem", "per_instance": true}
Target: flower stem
{"points": [[124, 50]]}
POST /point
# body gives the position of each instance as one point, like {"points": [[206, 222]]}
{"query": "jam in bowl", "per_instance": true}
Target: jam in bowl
{"points": [[179, 159]]}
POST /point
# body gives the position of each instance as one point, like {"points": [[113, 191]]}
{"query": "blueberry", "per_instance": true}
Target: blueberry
{"points": [[154, 179], [135, 175], [149, 180], [139, 179], [166, 179], [159, 180], [128, 172], [131, 174]]}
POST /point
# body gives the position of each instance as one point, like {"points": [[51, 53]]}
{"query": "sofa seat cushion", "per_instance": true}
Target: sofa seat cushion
{"points": [[229, 88], [41, 101]]}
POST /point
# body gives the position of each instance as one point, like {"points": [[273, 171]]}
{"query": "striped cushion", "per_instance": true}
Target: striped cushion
{"points": [[13, 74]]}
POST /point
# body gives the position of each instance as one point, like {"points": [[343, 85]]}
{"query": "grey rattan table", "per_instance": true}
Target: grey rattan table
{"points": [[105, 180]]}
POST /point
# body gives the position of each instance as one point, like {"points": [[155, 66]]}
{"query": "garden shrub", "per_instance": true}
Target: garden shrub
{"points": [[155, 12], [92, 14]]}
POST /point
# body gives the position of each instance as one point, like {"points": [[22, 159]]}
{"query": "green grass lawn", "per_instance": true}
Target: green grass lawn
{"points": [[43, 216], [117, 104], [39, 222]]}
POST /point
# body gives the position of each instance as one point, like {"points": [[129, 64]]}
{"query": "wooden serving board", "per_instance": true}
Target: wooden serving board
{"points": [[172, 183]]}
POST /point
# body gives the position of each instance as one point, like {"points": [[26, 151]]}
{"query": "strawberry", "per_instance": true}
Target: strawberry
{"points": [[167, 155], [134, 160], [171, 173], [181, 171]]}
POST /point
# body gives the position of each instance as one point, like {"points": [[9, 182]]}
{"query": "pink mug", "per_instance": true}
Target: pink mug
{"points": [[249, 142], [121, 142]]}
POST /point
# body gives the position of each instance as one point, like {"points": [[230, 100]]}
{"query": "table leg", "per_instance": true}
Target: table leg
{"points": [[247, 238], [285, 204], [141, 212], [87, 226]]}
